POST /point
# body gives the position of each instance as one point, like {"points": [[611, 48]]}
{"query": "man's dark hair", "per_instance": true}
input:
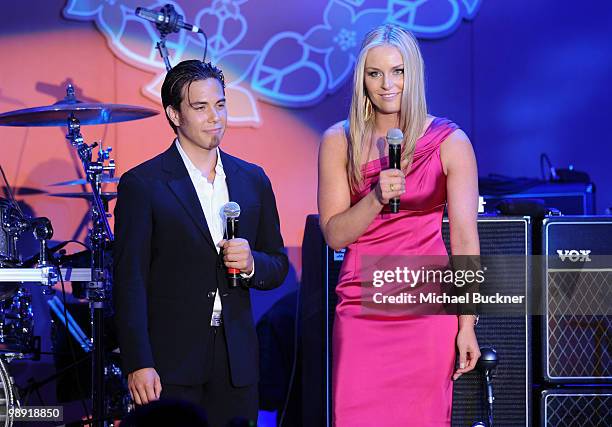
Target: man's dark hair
{"points": [[181, 76]]}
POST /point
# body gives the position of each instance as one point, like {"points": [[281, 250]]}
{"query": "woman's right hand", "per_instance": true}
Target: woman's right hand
{"points": [[391, 184]]}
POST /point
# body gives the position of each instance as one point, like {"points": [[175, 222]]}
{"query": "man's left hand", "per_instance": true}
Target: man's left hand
{"points": [[237, 254]]}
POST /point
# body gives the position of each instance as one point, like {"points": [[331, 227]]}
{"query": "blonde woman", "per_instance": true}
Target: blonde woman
{"points": [[395, 370]]}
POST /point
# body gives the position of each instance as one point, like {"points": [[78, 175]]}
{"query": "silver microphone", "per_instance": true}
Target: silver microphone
{"points": [[231, 212], [167, 18]]}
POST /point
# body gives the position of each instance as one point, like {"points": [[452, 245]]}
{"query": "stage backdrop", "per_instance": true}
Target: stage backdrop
{"points": [[520, 77]]}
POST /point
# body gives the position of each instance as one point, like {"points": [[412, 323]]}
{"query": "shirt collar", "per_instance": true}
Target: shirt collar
{"points": [[194, 171]]}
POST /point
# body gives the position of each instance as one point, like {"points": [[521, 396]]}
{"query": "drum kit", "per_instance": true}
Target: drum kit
{"points": [[17, 339]]}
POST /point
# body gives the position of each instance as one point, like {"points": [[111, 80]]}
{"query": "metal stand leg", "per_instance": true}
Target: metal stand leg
{"points": [[97, 315], [100, 282]]}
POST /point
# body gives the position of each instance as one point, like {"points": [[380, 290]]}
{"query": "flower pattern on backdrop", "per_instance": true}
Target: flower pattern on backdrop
{"points": [[291, 68]]}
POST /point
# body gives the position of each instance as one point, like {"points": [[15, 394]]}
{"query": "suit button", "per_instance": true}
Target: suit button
{"points": [[211, 294], [261, 283]]}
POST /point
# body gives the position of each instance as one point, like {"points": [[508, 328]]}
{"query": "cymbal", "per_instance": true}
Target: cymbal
{"points": [[22, 191], [107, 195], [87, 113], [105, 179]]}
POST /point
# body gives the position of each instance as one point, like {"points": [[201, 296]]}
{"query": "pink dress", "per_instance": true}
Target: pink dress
{"points": [[396, 370]]}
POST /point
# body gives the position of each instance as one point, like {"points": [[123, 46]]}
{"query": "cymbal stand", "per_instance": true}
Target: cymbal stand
{"points": [[98, 289], [43, 232]]}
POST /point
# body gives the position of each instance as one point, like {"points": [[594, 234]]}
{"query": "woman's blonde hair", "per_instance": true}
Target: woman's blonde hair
{"points": [[413, 111]]}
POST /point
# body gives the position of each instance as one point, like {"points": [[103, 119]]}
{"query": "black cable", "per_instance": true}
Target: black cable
{"points": [[65, 242], [205, 45], [40, 398], [11, 196], [35, 258], [551, 175]]}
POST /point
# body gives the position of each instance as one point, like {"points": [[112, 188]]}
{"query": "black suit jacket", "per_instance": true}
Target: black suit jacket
{"points": [[166, 269]]}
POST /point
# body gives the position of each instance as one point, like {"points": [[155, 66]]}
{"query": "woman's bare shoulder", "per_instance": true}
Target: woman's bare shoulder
{"points": [[337, 131], [334, 144]]}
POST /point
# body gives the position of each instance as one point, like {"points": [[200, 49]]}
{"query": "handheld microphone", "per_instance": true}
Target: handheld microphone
{"points": [[394, 139], [231, 211], [166, 20]]}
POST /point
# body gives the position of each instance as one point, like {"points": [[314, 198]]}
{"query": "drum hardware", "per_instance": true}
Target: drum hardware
{"points": [[86, 113], [33, 385], [59, 255], [17, 338], [117, 400], [72, 113], [98, 287], [9, 397], [102, 179], [43, 232], [13, 223], [23, 191], [57, 306], [106, 196], [10, 229], [81, 259], [38, 275]]}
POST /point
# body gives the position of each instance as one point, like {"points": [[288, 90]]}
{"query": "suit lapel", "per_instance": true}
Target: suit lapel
{"points": [[233, 179], [180, 184]]}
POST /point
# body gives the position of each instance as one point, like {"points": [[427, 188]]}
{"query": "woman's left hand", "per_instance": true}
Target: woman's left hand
{"points": [[469, 352]]}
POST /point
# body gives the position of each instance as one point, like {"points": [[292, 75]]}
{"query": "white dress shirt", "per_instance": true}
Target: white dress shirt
{"points": [[212, 197]]}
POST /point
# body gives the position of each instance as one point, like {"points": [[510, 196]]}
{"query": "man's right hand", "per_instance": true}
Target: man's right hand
{"points": [[144, 385]]}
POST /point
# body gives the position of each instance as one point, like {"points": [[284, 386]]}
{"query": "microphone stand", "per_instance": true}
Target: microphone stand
{"points": [[163, 51], [171, 24], [489, 394], [165, 27], [487, 364], [98, 289]]}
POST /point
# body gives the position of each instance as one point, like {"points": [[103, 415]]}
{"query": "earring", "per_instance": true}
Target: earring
{"points": [[369, 111]]}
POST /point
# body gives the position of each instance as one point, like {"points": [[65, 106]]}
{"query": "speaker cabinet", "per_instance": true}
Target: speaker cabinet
{"points": [[501, 239], [582, 407], [568, 198], [510, 336], [577, 296], [320, 268]]}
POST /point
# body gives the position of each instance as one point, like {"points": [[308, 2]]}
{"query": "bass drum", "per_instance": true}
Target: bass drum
{"points": [[8, 395], [17, 323]]}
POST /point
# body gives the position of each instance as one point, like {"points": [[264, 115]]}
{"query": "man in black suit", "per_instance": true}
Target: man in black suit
{"points": [[183, 332]]}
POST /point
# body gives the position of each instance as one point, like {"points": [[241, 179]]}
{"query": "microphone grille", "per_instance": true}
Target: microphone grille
{"points": [[231, 210], [395, 136]]}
